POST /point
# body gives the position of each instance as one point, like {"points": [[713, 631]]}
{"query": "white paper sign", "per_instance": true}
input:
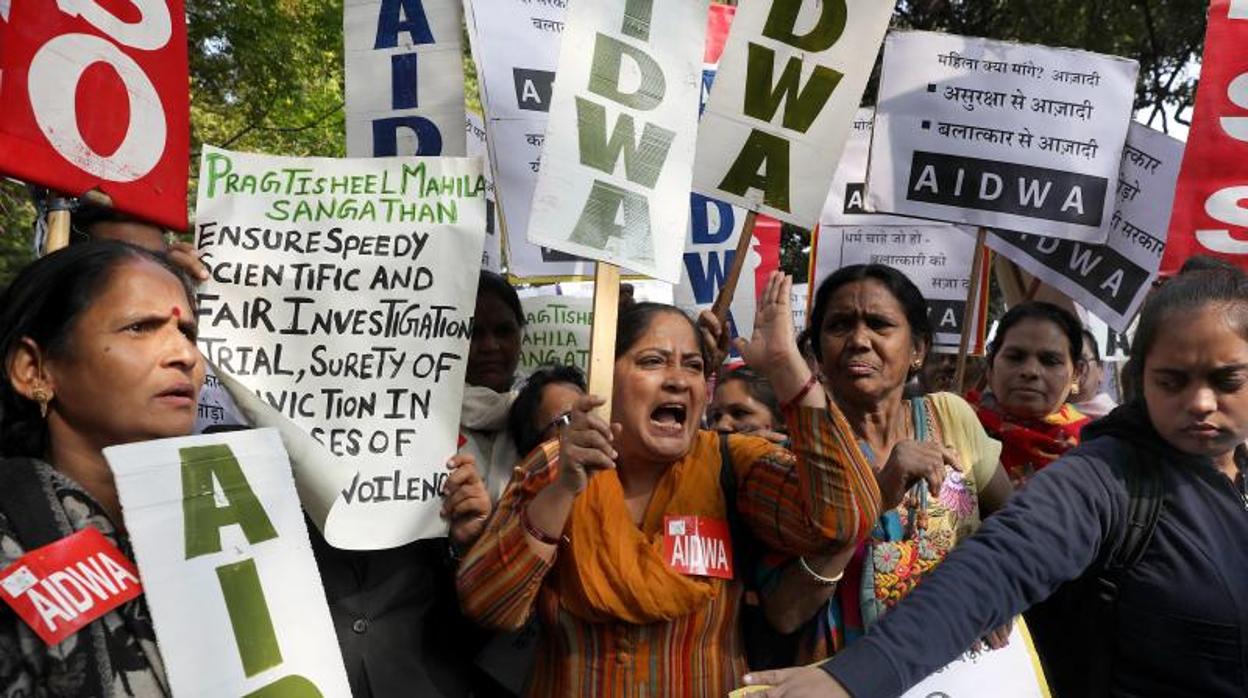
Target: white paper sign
{"points": [[516, 47], [989, 133], [847, 199], [937, 259], [618, 155], [220, 541], [1113, 279], [789, 84], [556, 331], [404, 78], [339, 295], [1012, 671], [477, 145]]}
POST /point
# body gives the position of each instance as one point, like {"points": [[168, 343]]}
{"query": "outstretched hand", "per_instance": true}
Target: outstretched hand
{"points": [[466, 502], [585, 445], [774, 340], [798, 682]]}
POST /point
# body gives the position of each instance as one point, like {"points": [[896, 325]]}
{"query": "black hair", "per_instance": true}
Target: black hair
{"points": [[525, 432], [759, 388], [44, 304], [495, 285], [902, 288], [1186, 293], [85, 215], [1202, 262], [1089, 340], [1045, 312], [636, 319]]}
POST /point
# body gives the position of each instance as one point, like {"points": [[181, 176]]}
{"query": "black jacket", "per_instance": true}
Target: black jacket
{"points": [[1182, 614]]}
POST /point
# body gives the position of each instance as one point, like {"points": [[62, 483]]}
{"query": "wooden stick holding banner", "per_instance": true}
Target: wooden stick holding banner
{"points": [[724, 300], [58, 223], [602, 336], [972, 300]]}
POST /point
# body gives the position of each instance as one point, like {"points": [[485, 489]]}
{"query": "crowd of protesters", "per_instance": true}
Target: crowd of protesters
{"points": [[882, 521]]}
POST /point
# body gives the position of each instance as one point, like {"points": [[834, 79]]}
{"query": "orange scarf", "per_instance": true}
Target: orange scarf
{"points": [[612, 570]]}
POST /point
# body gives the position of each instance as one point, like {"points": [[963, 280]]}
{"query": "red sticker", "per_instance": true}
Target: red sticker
{"points": [[59, 588], [697, 545]]}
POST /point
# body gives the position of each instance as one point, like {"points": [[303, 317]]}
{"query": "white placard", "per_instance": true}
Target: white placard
{"points": [[618, 155], [478, 147], [228, 572], [1012, 671], [556, 331], [338, 294], [516, 47], [790, 81], [404, 77], [1113, 279], [937, 259], [990, 133], [847, 199]]}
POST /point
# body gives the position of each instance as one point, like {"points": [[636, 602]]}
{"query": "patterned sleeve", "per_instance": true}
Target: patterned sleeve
{"points": [[816, 499], [16, 678], [499, 579]]}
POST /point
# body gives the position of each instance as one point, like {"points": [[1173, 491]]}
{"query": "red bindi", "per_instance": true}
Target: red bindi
{"points": [[177, 312]]}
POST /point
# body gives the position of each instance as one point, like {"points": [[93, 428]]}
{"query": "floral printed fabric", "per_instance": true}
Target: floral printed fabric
{"points": [[122, 644]]}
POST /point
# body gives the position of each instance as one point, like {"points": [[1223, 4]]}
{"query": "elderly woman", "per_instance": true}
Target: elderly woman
{"points": [[871, 336], [98, 342], [1034, 364], [620, 537]]}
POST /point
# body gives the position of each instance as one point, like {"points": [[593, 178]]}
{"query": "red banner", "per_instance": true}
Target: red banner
{"points": [[95, 96], [1211, 201]]}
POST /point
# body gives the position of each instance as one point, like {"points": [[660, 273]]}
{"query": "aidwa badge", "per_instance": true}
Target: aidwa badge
{"points": [[697, 545]]}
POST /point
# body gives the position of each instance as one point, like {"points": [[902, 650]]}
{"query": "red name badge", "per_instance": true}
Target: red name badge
{"points": [[697, 545], [59, 588]]}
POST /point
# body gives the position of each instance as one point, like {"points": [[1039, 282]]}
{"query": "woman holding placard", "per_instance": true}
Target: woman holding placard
{"points": [[98, 342], [1141, 529], [628, 539], [1034, 364]]}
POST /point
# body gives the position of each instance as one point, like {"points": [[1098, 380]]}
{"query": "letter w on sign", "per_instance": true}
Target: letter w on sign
{"points": [[1210, 211]]}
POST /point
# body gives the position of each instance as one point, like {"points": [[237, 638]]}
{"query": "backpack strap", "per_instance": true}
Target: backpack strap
{"points": [[1145, 492]]}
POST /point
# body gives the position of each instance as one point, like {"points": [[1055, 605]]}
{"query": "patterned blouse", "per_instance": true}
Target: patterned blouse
{"points": [[122, 644], [785, 497]]}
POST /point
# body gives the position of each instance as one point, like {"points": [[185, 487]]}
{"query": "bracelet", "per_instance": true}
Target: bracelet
{"points": [[791, 403], [536, 532], [826, 581]]}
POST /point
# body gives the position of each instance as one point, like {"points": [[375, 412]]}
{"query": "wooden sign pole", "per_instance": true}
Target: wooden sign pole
{"points": [[58, 224], [968, 315], [602, 335], [724, 300]]}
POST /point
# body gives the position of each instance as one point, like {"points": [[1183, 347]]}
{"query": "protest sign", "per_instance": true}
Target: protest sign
{"points": [[1005, 135], [1210, 216], [847, 199], [799, 297], [1013, 670], [338, 294], [404, 77], [618, 154], [715, 228], [811, 58], [228, 572], [477, 147], [1111, 279], [938, 259], [515, 44], [130, 138], [556, 331], [1115, 345]]}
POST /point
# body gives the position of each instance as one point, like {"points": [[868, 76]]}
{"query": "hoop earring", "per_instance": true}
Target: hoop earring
{"points": [[41, 396]]}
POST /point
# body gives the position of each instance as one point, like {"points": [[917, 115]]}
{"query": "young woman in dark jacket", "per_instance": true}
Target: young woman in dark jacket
{"points": [[1179, 625]]}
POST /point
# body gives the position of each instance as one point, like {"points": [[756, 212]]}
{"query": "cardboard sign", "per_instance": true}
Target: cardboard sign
{"points": [[710, 250], [1011, 671], [618, 156], [234, 591], [791, 78], [938, 259], [515, 44], [1113, 279], [404, 77], [697, 545], [130, 134], [556, 331], [998, 134], [338, 295], [847, 199], [1210, 216], [60, 588]]}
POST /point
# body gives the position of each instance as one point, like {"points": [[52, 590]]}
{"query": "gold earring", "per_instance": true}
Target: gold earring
{"points": [[42, 397], [917, 365], [1074, 390]]}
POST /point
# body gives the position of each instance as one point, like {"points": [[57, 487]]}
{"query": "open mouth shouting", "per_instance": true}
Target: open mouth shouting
{"points": [[669, 418]]}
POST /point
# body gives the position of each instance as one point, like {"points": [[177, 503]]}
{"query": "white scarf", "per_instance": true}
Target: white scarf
{"points": [[484, 425]]}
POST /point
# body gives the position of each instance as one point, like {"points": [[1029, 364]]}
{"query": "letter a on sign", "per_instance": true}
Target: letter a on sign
{"points": [[204, 468]]}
